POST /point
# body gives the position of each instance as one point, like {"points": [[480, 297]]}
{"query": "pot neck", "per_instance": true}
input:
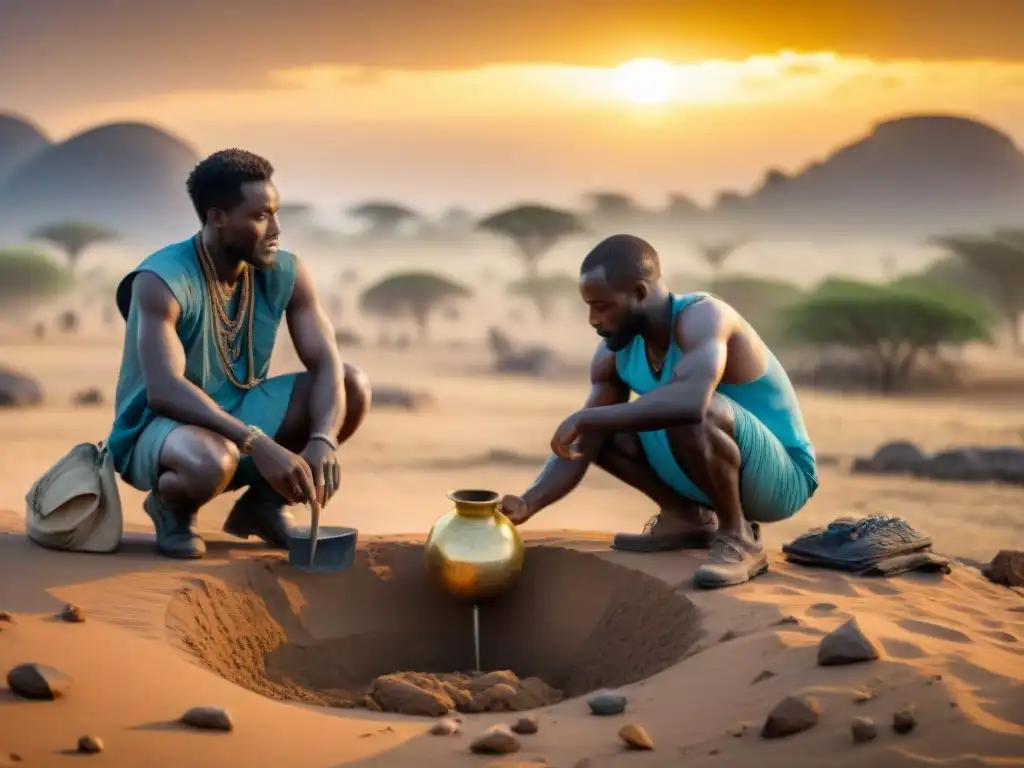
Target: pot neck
{"points": [[479, 504]]}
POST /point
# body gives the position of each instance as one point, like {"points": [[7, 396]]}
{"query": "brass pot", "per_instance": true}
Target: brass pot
{"points": [[473, 552]]}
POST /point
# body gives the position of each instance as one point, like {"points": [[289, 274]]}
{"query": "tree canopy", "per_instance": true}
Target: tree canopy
{"points": [[27, 276], [546, 290], [535, 229], [73, 237], [891, 325], [414, 295], [383, 218]]}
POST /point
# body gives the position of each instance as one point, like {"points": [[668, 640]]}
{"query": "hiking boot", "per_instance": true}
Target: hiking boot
{"points": [[667, 532], [176, 534], [262, 513], [734, 560]]}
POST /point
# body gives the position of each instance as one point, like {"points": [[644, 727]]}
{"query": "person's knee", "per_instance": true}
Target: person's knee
{"points": [[710, 439], [204, 462], [615, 448], [358, 393]]}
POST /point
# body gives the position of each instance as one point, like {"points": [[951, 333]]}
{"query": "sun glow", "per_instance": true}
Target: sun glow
{"points": [[645, 81]]}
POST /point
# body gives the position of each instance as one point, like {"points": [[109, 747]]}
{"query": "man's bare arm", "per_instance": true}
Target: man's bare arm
{"points": [[314, 342], [162, 359], [560, 476], [687, 397]]}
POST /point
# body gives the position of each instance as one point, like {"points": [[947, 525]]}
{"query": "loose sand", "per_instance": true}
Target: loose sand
{"points": [[240, 630]]}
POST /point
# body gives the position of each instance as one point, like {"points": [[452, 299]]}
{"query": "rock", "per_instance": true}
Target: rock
{"points": [[6, 617], [764, 674], [525, 726], [519, 764], [846, 645], [496, 740], [38, 681], [18, 390], [91, 396], [794, 714], [896, 458], [863, 694], [90, 745], [904, 720], [863, 729], [72, 614], [584, 762], [207, 718], [400, 397], [791, 621], [636, 737], [1006, 568], [607, 703], [394, 694], [446, 726], [738, 731]]}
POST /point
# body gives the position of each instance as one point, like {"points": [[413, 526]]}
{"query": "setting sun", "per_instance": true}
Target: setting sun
{"points": [[645, 81]]}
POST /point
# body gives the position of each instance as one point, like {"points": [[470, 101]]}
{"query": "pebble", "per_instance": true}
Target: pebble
{"points": [[607, 703], [787, 621], [862, 694], [38, 681], [636, 737], [208, 718], [72, 614], [90, 745], [765, 674], [863, 729], [526, 726], [496, 740], [519, 764], [6, 617], [904, 719], [846, 645], [446, 726], [584, 762], [794, 714]]}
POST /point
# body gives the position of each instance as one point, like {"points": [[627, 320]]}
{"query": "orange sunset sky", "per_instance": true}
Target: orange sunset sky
{"points": [[480, 102]]}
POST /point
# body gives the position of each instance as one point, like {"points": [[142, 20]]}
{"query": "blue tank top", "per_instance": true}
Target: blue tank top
{"points": [[178, 266], [770, 398]]}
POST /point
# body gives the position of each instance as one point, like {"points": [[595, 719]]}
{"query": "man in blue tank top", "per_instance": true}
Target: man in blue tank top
{"points": [[195, 412], [714, 436]]}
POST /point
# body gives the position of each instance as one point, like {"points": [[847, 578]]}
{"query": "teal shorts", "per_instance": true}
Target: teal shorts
{"points": [[773, 484], [263, 406]]}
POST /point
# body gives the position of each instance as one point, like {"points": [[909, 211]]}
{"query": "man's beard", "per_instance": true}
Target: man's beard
{"points": [[632, 326]]}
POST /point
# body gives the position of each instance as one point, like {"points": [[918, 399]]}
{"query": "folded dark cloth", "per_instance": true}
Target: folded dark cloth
{"points": [[850, 544]]}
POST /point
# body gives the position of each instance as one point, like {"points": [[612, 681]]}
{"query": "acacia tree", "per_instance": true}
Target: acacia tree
{"points": [[545, 291], [760, 300], [892, 326], [715, 254], [73, 237], [26, 277], [383, 218], [411, 295], [533, 228], [1000, 260]]}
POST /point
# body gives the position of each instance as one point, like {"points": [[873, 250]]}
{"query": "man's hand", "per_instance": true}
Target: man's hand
{"points": [[287, 473], [516, 509], [323, 464], [563, 444]]}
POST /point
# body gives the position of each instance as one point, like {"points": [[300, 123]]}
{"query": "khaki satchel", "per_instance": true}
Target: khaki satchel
{"points": [[75, 505]]}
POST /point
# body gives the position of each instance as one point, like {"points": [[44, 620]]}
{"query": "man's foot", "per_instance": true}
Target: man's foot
{"points": [[735, 559], [668, 532], [261, 513], [176, 534]]}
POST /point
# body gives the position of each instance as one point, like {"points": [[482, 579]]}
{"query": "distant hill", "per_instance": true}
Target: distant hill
{"points": [[19, 140], [126, 176], [911, 176]]}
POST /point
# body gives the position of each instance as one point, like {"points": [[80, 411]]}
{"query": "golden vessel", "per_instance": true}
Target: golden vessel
{"points": [[473, 552]]}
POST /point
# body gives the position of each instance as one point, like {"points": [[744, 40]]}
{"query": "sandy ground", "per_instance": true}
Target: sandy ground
{"points": [[952, 646]]}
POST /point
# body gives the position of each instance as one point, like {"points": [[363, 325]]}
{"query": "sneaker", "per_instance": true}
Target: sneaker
{"points": [[261, 513], [734, 560], [666, 532], [176, 534]]}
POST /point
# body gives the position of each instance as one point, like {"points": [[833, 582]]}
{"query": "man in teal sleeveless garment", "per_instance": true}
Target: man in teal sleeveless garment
{"points": [[714, 435], [195, 412]]}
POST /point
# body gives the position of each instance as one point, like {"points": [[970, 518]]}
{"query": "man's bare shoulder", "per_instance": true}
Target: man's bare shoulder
{"points": [[153, 296], [706, 318]]}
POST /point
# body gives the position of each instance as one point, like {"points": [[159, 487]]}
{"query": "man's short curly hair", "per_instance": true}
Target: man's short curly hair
{"points": [[216, 182], [625, 259]]}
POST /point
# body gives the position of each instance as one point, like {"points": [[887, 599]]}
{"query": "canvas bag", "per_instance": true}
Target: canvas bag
{"points": [[75, 506]]}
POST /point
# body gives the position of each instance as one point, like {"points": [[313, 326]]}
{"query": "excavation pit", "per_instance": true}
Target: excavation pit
{"points": [[381, 636]]}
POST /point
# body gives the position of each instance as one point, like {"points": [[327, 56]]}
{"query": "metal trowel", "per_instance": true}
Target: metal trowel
{"points": [[334, 551]]}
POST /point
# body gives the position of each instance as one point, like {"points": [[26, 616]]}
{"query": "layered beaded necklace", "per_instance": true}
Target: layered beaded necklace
{"points": [[228, 332]]}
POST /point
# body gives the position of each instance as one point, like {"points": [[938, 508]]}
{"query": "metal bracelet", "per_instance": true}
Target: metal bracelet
{"points": [[324, 437]]}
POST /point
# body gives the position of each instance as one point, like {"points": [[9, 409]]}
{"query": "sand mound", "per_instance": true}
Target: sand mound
{"points": [[379, 635]]}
